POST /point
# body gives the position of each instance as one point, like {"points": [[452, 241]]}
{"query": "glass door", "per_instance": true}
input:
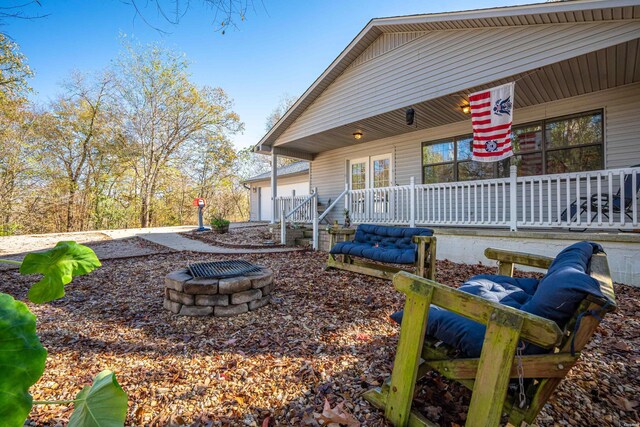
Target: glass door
{"points": [[358, 179], [381, 178]]}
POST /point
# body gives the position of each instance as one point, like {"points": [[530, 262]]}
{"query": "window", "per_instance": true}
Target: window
{"points": [[358, 175], [370, 172], [558, 145], [438, 160], [381, 171]]}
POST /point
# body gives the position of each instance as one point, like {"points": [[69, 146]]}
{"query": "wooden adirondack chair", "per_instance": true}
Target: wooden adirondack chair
{"points": [[489, 375]]}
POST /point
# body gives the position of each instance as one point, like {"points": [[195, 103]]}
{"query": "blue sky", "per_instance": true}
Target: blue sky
{"points": [[281, 48]]}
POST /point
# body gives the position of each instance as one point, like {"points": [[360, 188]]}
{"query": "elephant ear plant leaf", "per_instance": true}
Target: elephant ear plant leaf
{"points": [[22, 360], [59, 266], [103, 404], [22, 357]]}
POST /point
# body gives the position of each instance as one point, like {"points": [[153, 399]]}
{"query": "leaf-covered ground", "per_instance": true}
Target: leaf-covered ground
{"points": [[247, 236], [307, 357]]}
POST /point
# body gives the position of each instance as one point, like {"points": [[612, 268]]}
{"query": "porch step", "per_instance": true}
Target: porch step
{"points": [[304, 242]]}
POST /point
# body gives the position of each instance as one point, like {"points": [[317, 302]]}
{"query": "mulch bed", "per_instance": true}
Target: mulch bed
{"points": [[325, 339], [245, 238]]}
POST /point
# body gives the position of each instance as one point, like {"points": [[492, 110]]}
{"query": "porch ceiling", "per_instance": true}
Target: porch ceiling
{"points": [[603, 69]]}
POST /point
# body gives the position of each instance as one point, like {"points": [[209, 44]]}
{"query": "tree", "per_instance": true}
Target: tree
{"points": [[162, 111], [18, 9], [261, 163], [14, 72], [285, 102], [14, 126], [226, 12], [70, 133]]}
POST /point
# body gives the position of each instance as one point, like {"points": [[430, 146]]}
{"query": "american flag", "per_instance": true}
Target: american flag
{"points": [[491, 119]]}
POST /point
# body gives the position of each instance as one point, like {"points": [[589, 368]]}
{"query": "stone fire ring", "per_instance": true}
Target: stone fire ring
{"points": [[187, 296]]}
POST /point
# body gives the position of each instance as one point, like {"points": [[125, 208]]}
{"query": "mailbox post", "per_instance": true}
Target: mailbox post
{"points": [[200, 203]]}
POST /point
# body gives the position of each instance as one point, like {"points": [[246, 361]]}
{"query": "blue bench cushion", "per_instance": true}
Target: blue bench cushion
{"points": [[556, 296], [384, 244]]}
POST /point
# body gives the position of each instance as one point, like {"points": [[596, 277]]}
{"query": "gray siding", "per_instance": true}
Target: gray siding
{"points": [[441, 62], [254, 198], [622, 140]]}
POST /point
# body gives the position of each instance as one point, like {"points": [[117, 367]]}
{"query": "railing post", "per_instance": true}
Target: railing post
{"points": [[293, 203], [412, 202], [274, 186], [315, 219], [346, 196], [513, 203], [283, 225]]}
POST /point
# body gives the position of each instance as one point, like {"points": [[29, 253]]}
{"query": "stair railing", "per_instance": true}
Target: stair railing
{"points": [[317, 220], [310, 204]]}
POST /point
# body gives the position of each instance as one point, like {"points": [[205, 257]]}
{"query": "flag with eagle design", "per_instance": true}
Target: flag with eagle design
{"points": [[491, 119]]}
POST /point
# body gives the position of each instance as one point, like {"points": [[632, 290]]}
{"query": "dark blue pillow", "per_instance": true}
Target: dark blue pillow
{"points": [[382, 243], [380, 253], [566, 284]]}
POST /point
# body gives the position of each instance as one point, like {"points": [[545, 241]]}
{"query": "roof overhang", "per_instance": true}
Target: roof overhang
{"points": [[445, 109], [268, 179]]}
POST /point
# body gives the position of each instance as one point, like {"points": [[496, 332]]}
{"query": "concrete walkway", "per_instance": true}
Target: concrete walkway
{"points": [[180, 243], [165, 236]]}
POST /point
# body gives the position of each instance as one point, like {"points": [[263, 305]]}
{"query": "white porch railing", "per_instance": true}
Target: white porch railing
{"points": [[301, 209], [302, 215], [605, 199]]}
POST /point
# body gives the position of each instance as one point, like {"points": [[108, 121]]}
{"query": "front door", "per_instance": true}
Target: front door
{"points": [[381, 178], [365, 175]]}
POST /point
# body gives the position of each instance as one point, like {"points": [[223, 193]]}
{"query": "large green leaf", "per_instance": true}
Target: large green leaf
{"points": [[59, 266], [22, 360], [104, 404]]}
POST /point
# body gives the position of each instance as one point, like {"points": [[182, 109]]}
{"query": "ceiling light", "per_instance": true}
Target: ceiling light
{"points": [[466, 108], [357, 135]]}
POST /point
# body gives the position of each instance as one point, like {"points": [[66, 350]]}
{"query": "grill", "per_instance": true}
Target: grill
{"points": [[222, 269]]}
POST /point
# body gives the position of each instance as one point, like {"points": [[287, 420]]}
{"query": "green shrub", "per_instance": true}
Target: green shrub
{"points": [[219, 222]]}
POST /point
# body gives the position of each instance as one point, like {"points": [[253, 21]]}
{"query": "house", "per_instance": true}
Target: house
{"points": [[576, 134], [293, 180]]}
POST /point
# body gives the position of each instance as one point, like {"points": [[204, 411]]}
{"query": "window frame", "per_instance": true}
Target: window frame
{"points": [[542, 123]]}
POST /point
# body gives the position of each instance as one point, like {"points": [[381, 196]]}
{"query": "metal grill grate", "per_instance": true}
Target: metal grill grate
{"points": [[222, 269]]}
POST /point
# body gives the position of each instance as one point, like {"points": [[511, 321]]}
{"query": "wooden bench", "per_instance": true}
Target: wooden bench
{"points": [[489, 375], [421, 254]]}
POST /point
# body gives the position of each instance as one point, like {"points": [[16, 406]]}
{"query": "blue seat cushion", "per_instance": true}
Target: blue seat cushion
{"points": [[464, 334], [384, 244], [556, 297]]}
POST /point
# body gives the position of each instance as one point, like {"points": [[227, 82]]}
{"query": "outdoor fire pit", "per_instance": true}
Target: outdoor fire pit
{"points": [[222, 288]]}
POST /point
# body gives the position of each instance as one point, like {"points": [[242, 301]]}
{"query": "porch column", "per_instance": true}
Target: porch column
{"points": [[274, 186]]}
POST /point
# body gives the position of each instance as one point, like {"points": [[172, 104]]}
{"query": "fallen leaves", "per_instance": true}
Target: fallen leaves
{"points": [[326, 338], [335, 417]]}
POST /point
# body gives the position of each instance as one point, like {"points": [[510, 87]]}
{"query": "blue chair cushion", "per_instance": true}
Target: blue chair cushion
{"points": [[384, 244], [556, 296], [566, 284]]}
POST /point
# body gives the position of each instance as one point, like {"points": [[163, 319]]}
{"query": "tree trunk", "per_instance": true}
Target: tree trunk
{"points": [[145, 203], [70, 201]]}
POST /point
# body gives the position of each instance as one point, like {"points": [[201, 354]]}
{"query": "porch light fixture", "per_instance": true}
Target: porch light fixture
{"points": [[357, 135], [466, 108]]}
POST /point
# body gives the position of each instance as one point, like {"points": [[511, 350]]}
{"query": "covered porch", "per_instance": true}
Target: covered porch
{"points": [[576, 68]]}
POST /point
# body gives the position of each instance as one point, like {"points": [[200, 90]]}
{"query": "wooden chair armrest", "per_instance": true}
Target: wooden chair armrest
{"points": [[535, 329], [423, 239], [521, 258], [343, 231]]}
